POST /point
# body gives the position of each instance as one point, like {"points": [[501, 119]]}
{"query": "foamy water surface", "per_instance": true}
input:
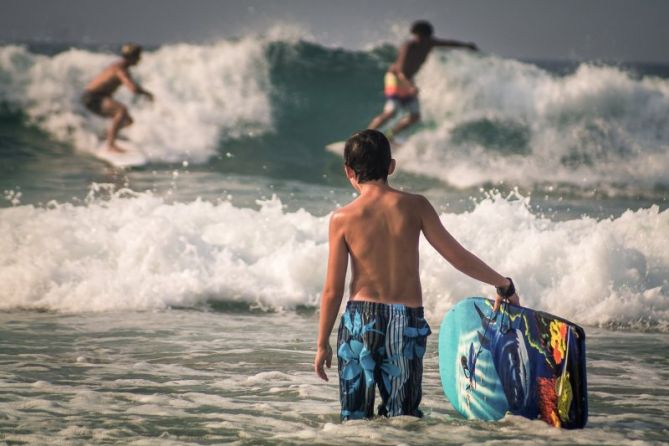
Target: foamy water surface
{"points": [[191, 377], [137, 252]]}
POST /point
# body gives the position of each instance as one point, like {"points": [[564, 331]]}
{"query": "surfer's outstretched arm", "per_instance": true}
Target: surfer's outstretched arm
{"points": [[454, 44], [333, 291], [457, 255]]}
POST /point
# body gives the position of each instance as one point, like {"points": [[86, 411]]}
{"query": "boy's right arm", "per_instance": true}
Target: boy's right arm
{"points": [[333, 291], [456, 254]]}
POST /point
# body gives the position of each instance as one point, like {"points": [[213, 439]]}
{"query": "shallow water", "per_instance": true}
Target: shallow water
{"points": [[202, 377]]}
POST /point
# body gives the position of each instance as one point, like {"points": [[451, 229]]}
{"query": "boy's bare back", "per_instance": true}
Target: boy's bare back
{"points": [[381, 229]]}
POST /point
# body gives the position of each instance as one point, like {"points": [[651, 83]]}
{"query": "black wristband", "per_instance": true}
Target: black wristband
{"points": [[507, 291]]}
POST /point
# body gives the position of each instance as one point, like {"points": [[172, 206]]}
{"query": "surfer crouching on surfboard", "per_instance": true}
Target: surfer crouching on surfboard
{"points": [[98, 93], [399, 87], [382, 336]]}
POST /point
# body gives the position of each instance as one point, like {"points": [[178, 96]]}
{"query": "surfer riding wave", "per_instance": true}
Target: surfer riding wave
{"points": [[399, 88], [97, 96]]}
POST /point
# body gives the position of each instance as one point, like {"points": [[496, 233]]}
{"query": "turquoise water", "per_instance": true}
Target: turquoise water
{"points": [[176, 302]]}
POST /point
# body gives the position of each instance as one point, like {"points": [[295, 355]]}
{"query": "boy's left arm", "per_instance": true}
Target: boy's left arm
{"points": [[333, 291]]}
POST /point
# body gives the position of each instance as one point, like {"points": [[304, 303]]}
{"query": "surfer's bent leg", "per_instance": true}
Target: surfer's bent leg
{"points": [[412, 108], [120, 118], [389, 110]]}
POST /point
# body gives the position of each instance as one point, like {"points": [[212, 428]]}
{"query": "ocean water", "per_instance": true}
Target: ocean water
{"points": [[176, 303]]}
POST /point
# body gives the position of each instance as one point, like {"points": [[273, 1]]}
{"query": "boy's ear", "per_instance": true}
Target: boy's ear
{"points": [[350, 173], [391, 168]]}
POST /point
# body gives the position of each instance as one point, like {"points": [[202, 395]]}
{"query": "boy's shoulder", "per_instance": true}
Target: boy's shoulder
{"points": [[407, 197], [393, 197]]}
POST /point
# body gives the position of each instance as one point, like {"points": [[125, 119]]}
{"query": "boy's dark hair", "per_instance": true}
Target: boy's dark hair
{"points": [[422, 28], [368, 154]]}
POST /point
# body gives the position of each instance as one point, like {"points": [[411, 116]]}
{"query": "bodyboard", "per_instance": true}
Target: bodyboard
{"points": [[517, 361]]}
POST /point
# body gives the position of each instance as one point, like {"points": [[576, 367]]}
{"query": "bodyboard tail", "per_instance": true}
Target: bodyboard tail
{"points": [[517, 361]]}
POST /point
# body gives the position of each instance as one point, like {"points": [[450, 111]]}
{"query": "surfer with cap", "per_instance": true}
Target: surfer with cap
{"points": [[382, 336], [98, 93], [399, 86]]}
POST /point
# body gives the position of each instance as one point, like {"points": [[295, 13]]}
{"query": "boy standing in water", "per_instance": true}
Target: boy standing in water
{"points": [[97, 96], [400, 90], [382, 335]]}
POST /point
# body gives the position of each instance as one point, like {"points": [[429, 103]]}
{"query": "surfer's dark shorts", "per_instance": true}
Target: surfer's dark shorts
{"points": [[93, 102], [380, 345]]}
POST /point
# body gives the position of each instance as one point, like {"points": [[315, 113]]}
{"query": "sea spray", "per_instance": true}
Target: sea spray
{"points": [[493, 119], [136, 251]]}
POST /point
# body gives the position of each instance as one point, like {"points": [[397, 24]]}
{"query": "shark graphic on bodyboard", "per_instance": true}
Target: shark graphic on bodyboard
{"points": [[517, 361]]}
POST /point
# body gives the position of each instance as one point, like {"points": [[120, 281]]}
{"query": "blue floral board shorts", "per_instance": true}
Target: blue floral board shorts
{"points": [[381, 345]]}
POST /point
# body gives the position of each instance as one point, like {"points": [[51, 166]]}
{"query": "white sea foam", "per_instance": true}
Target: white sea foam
{"points": [[137, 251], [503, 120], [202, 93], [142, 253]]}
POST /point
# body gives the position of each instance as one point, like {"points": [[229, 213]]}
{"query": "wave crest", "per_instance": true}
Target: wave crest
{"points": [[135, 251], [496, 120], [203, 93]]}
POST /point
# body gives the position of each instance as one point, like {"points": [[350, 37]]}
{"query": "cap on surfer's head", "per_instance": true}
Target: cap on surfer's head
{"points": [[367, 153], [131, 51], [422, 28]]}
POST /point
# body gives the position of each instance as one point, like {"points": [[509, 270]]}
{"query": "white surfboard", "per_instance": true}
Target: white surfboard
{"points": [[131, 157], [338, 147]]}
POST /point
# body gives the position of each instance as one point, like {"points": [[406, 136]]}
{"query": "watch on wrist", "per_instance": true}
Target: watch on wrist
{"points": [[506, 291]]}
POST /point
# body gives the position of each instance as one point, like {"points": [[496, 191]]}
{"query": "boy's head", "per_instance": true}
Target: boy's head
{"points": [[131, 52], [422, 29], [367, 154]]}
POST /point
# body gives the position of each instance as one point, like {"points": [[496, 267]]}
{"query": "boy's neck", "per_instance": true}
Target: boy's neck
{"points": [[374, 186]]}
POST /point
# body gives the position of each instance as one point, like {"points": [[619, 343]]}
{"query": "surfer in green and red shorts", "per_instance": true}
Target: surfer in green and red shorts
{"points": [[399, 87]]}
